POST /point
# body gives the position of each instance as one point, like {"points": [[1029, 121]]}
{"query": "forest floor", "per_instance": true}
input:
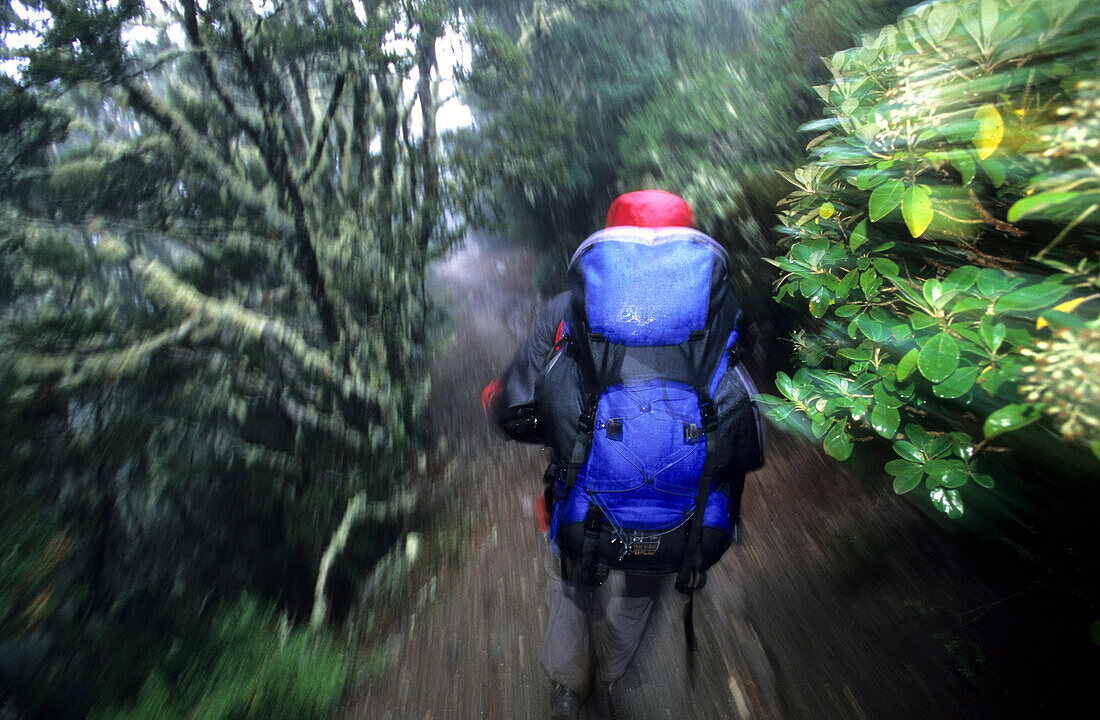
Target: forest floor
{"points": [[842, 602]]}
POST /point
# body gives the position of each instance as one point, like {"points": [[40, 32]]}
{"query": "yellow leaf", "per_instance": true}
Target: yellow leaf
{"points": [[991, 130], [1067, 307], [827, 210]]}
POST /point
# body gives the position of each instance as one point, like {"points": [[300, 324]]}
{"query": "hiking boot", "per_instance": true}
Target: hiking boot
{"points": [[565, 705], [600, 704]]}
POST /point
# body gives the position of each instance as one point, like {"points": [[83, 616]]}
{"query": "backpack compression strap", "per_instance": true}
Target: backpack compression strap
{"points": [[691, 578]]}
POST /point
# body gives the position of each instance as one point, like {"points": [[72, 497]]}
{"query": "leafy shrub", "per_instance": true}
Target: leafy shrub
{"points": [[944, 236]]}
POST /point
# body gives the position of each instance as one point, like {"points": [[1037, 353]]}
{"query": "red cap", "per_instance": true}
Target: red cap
{"points": [[650, 208]]}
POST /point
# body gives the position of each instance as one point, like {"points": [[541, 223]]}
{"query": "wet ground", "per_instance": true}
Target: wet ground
{"points": [[842, 602]]}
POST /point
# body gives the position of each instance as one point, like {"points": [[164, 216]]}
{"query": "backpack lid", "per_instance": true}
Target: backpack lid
{"points": [[641, 287], [652, 237]]}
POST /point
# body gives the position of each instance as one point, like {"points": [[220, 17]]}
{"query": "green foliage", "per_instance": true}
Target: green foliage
{"points": [[945, 237], [251, 664]]}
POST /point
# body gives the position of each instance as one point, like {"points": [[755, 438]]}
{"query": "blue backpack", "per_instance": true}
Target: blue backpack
{"points": [[666, 421]]}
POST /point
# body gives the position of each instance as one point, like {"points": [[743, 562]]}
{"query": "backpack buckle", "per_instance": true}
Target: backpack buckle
{"points": [[706, 412]]}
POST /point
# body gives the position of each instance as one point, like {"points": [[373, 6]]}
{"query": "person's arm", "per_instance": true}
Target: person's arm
{"points": [[509, 401]]}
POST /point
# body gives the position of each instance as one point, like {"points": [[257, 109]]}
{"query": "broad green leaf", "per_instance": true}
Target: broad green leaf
{"points": [[939, 468], [819, 303], [837, 442], [844, 289], [916, 209], [885, 398], [960, 279], [897, 467], [848, 310], [957, 385], [885, 198], [995, 169], [941, 18], [1037, 203], [947, 501], [909, 451], [908, 479], [992, 282], [939, 357], [859, 235], [871, 329], [869, 282], [785, 385], [991, 130], [1032, 297], [869, 177], [907, 364], [886, 267], [962, 445], [966, 167], [922, 321], [982, 479], [992, 332], [1009, 418], [885, 420], [933, 293]]}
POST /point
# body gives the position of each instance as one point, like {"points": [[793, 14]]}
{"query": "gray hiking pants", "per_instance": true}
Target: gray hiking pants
{"points": [[575, 615]]}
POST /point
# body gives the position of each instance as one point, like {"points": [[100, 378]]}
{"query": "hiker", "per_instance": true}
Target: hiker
{"points": [[632, 378]]}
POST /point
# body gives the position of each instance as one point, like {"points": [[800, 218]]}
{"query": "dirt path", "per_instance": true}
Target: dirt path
{"points": [[843, 602]]}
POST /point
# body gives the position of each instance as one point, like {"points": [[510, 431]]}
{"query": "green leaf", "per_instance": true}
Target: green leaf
{"points": [[922, 321], [948, 501], [960, 279], [982, 479], [885, 198], [957, 385], [939, 468], [907, 364], [933, 293], [909, 451], [1037, 203], [871, 329], [1032, 297], [819, 303], [939, 357], [1009, 418], [991, 332], [916, 209], [886, 267], [845, 287], [964, 163], [859, 235], [869, 282], [785, 385], [908, 479], [885, 420], [992, 282], [883, 396], [837, 442], [995, 169], [897, 467]]}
